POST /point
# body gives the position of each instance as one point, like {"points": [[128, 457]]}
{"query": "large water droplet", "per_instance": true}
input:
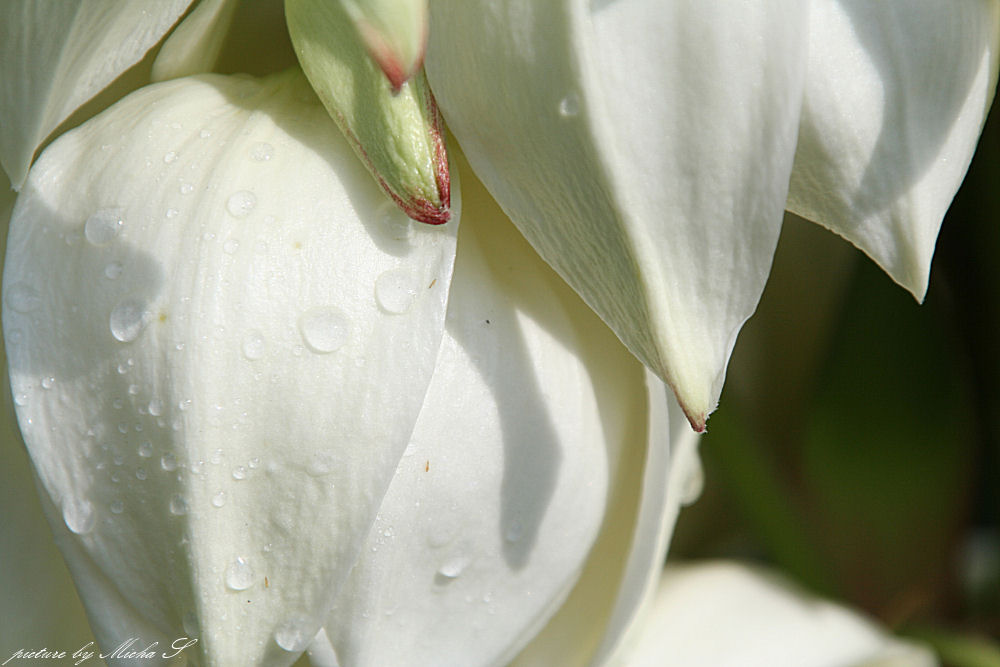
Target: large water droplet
{"points": [[178, 506], [168, 462], [128, 319], [22, 298], [261, 151], [48, 382], [395, 291], [117, 507], [254, 345], [293, 635], [103, 226], [569, 106], [239, 473], [156, 407], [241, 203], [219, 499], [453, 567], [146, 449], [324, 329], [239, 575], [79, 515]]}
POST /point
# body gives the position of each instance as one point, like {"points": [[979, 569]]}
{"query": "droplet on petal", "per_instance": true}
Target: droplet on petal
{"points": [[103, 226], [178, 506], [254, 345], [395, 291], [453, 567], [241, 203], [293, 635], [128, 319], [79, 515], [239, 575], [324, 329]]}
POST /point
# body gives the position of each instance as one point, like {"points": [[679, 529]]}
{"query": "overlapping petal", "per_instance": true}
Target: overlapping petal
{"points": [[55, 55], [644, 150], [896, 97], [194, 46], [220, 337]]}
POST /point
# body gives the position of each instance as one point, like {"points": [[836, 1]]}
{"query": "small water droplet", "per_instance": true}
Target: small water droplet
{"points": [[47, 382], [239, 473], [239, 575], [156, 407], [113, 270], [117, 507], [128, 319], [178, 506], [219, 499], [453, 567], [186, 188], [146, 449], [117, 404], [241, 203], [324, 329], [205, 134], [254, 345], [79, 515], [172, 213], [230, 246], [23, 298], [395, 291], [196, 467], [168, 462], [293, 635], [133, 389], [569, 106], [103, 226], [140, 474], [123, 429], [216, 457], [261, 151], [169, 157], [21, 399]]}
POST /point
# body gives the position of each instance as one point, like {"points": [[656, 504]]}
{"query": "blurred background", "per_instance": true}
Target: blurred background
{"points": [[857, 443]]}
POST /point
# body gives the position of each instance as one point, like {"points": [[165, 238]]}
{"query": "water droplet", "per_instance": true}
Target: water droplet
{"points": [[219, 499], [47, 382], [140, 474], [205, 134], [293, 635], [324, 329], [123, 429], [128, 319], [239, 575], [156, 407], [133, 389], [320, 464], [254, 462], [186, 188], [113, 270], [172, 213], [178, 506], [103, 226], [254, 345], [168, 462], [230, 246], [453, 567], [23, 298], [117, 507], [79, 515], [146, 449], [21, 399], [261, 151], [241, 203], [169, 157], [190, 621], [569, 106], [395, 291], [239, 473], [216, 457]]}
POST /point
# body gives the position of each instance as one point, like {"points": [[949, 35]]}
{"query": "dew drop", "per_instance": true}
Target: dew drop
{"points": [[293, 635], [168, 462], [216, 457], [172, 213], [186, 188], [205, 134], [254, 345], [103, 226], [239, 575], [20, 400], [156, 407], [113, 270], [140, 474], [23, 298], [190, 621], [146, 449], [169, 157], [128, 319], [453, 567], [133, 389], [79, 516], [47, 382], [261, 152], [395, 291], [117, 507], [178, 506], [219, 499], [569, 106], [241, 203], [239, 473], [324, 329]]}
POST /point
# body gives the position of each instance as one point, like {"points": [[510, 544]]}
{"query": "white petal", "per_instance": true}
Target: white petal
{"points": [[195, 45], [534, 419], [56, 55], [728, 615], [643, 148], [622, 569], [897, 94], [230, 373]]}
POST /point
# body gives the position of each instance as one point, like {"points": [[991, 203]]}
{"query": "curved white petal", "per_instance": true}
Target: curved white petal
{"points": [[56, 55], [723, 614], [219, 340], [623, 567], [897, 94], [643, 148], [533, 419], [194, 46]]}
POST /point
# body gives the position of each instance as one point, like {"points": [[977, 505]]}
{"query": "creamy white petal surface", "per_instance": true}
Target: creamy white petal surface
{"points": [[723, 614], [220, 337], [195, 45], [643, 148], [56, 55], [897, 94]]}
